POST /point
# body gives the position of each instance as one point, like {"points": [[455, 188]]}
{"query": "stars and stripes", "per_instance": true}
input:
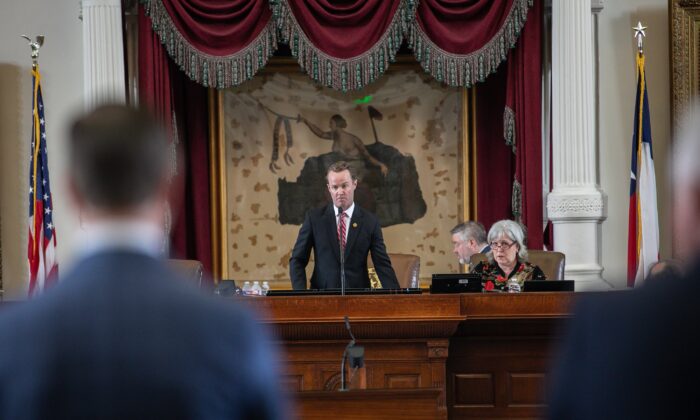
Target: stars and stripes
{"points": [[643, 238], [43, 267]]}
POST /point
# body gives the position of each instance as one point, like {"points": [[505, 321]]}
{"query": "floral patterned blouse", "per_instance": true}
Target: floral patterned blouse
{"points": [[493, 278]]}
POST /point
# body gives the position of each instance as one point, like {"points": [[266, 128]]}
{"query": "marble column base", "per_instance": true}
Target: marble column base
{"points": [[576, 214]]}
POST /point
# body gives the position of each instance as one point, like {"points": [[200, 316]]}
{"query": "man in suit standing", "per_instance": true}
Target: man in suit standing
{"points": [[469, 238], [122, 337], [634, 354], [343, 222]]}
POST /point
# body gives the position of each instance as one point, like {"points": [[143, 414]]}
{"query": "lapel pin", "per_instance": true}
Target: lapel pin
{"points": [[354, 225]]}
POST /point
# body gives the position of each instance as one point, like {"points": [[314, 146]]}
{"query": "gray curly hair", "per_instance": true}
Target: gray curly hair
{"points": [[511, 230]]}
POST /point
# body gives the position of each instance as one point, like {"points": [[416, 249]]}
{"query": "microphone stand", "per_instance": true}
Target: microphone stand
{"points": [[342, 258], [350, 345]]}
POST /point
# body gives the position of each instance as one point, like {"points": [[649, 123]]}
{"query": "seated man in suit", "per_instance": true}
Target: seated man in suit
{"points": [[342, 222], [121, 336], [469, 238]]}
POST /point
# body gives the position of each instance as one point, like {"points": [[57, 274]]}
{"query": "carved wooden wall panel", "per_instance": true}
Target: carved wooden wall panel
{"points": [[486, 355]]}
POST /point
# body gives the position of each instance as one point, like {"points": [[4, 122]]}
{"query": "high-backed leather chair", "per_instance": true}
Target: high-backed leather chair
{"points": [[550, 262], [406, 267], [189, 269]]}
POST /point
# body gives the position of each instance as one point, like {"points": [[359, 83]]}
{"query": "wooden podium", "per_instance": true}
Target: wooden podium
{"points": [[374, 404], [479, 355]]}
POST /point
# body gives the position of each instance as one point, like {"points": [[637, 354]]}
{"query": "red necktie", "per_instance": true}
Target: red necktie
{"points": [[341, 229]]}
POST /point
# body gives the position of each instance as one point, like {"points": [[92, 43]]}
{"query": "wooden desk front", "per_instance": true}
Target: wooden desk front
{"points": [[487, 354]]}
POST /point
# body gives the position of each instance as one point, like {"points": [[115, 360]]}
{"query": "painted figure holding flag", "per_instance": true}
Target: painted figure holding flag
{"points": [[348, 145]]}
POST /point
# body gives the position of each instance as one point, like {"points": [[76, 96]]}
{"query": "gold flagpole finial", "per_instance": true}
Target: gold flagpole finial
{"points": [[35, 46], [640, 34]]}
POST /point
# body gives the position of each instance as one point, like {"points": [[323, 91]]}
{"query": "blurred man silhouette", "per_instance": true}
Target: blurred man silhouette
{"points": [[121, 337], [633, 355]]}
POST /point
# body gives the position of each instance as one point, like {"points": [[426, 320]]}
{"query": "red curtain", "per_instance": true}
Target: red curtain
{"points": [[494, 160], [524, 99], [219, 43], [154, 73], [509, 133], [181, 106], [343, 45], [462, 42], [191, 233]]}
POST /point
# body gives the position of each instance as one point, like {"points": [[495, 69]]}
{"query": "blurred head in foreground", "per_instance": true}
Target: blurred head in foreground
{"points": [[118, 162], [122, 336], [118, 173]]}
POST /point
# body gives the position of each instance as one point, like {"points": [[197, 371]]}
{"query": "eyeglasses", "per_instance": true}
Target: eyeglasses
{"points": [[501, 245]]}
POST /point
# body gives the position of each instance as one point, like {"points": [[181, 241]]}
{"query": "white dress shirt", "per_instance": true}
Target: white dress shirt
{"points": [[125, 235], [348, 212]]}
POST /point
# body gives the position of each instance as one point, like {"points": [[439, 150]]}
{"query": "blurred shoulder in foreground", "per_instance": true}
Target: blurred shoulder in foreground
{"points": [[121, 336]]}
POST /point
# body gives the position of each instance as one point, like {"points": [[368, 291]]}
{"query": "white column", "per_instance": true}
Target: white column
{"points": [[103, 52], [576, 204]]}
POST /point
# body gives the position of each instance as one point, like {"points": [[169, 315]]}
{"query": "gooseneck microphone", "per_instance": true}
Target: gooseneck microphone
{"points": [[345, 355], [342, 255]]}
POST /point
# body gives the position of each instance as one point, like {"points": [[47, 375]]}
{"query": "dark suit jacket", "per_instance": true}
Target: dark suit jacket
{"points": [[320, 232], [123, 338], [632, 355]]}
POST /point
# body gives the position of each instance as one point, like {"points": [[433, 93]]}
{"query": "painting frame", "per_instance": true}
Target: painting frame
{"points": [[684, 19], [221, 266]]}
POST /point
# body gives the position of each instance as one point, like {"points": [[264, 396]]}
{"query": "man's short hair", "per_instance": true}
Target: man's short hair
{"points": [[470, 230], [341, 166], [118, 157], [339, 121]]}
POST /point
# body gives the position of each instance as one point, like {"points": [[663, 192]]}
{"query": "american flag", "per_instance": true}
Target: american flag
{"points": [[43, 268]]}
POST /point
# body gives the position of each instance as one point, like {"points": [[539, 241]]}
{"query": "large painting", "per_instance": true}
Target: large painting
{"points": [[402, 135]]}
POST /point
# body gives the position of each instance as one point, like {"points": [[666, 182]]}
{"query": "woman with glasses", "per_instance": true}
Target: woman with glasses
{"points": [[507, 258]]}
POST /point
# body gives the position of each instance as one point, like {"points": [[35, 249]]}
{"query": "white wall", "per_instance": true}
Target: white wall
{"points": [[62, 83], [617, 49]]}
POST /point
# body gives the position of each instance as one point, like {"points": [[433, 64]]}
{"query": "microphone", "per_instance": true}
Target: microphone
{"points": [[342, 257], [347, 327], [357, 359]]}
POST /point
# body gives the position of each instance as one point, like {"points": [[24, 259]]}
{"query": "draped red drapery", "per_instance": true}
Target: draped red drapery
{"points": [[524, 101], [509, 146], [182, 107], [347, 45], [218, 43], [343, 45], [462, 42]]}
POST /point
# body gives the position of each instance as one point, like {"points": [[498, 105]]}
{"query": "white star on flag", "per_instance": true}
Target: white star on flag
{"points": [[41, 121], [47, 210], [49, 226], [46, 197]]}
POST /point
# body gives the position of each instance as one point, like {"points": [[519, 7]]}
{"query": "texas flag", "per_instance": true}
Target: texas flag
{"points": [[643, 239]]}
